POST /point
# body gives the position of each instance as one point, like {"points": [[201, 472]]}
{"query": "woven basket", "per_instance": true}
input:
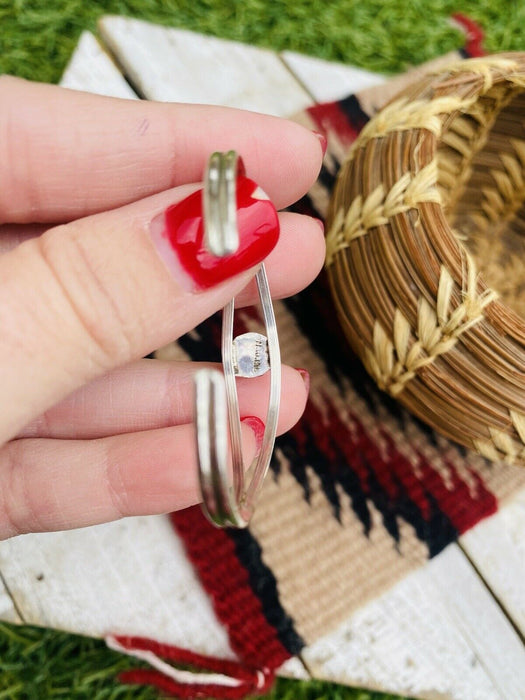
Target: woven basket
{"points": [[426, 252]]}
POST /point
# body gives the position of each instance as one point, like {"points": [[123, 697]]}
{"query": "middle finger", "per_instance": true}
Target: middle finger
{"points": [[150, 394]]}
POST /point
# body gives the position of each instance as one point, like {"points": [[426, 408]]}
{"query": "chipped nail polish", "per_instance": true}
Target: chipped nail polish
{"points": [[322, 140], [258, 428]]}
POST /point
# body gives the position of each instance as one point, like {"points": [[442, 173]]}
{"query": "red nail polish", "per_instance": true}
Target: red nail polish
{"points": [[305, 374], [179, 236], [322, 140], [257, 426]]}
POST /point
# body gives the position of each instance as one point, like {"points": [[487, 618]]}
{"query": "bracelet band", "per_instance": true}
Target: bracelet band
{"points": [[228, 492]]}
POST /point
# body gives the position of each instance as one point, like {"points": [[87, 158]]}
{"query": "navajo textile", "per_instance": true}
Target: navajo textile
{"points": [[359, 494]]}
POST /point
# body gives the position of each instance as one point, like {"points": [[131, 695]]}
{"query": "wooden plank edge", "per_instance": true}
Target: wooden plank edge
{"points": [[92, 69], [437, 633], [496, 548]]}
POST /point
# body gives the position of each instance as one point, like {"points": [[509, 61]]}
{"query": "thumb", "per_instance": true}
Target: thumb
{"points": [[96, 293]]}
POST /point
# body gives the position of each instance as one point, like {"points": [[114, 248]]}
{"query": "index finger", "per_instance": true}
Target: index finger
{"points": [[66, 154]]}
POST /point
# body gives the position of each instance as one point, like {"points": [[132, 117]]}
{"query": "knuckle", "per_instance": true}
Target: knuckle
{"points": [[99, 314], [115, 485], [20, 512], [9, 148], [20, 193]]}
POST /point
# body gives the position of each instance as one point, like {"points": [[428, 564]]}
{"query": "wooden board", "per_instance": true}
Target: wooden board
{"points": [[436, 634], [497, 548], [222, 72], [132, 576], [126, 577], [8, 611], [325, 81], [92, 69]]}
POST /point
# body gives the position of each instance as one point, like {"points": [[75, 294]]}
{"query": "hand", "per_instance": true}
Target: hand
{"points": [[89, 284]]}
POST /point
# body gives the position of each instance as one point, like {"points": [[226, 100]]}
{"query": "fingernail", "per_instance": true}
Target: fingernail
{"points": [[322, 140], [257, 426], [178, 234], [305, 374]]}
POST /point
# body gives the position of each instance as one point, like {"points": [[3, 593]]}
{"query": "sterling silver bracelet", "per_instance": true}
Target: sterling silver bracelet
{"points": [[228, 492]]}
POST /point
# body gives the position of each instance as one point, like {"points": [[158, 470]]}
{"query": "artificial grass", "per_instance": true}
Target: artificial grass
{"points": [[37, 38], [38, 664]]}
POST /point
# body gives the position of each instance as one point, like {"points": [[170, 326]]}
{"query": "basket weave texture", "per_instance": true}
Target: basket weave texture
{"points": [[426, 252]]}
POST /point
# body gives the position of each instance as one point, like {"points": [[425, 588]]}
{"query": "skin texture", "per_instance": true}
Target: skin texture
{"points": [[89, 432]]}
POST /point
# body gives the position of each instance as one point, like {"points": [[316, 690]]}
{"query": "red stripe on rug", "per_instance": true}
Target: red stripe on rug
{"points": [[425, 486], [226, 581], [474, 35], [329, 117]]}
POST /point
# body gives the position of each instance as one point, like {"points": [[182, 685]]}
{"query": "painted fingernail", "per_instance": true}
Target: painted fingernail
{"points": [[178, 234], [257, 426], [305, 374], [322, 140]]}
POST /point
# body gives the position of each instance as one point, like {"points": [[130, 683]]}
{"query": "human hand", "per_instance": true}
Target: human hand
{"points": [[89, 432]]}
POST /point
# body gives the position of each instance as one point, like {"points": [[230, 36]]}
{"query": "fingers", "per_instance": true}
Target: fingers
{"points": [[95, 294], [87, 297], [45, 484], [294, 262], [150, 394], [11, 235], [66, 154], [303, 240]]}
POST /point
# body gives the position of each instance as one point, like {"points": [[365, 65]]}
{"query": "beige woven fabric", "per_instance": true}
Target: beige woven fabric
{"points": [[361, 493]]}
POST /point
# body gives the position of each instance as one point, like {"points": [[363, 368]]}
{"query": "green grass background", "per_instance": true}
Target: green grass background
{"points": [[36, 41]]}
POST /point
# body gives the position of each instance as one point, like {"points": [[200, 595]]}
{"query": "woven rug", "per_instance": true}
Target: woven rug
{"points": [[360, 493]]}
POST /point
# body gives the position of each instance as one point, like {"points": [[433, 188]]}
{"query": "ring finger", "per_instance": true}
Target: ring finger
{"points": [[61, 484], [100, 283]]}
